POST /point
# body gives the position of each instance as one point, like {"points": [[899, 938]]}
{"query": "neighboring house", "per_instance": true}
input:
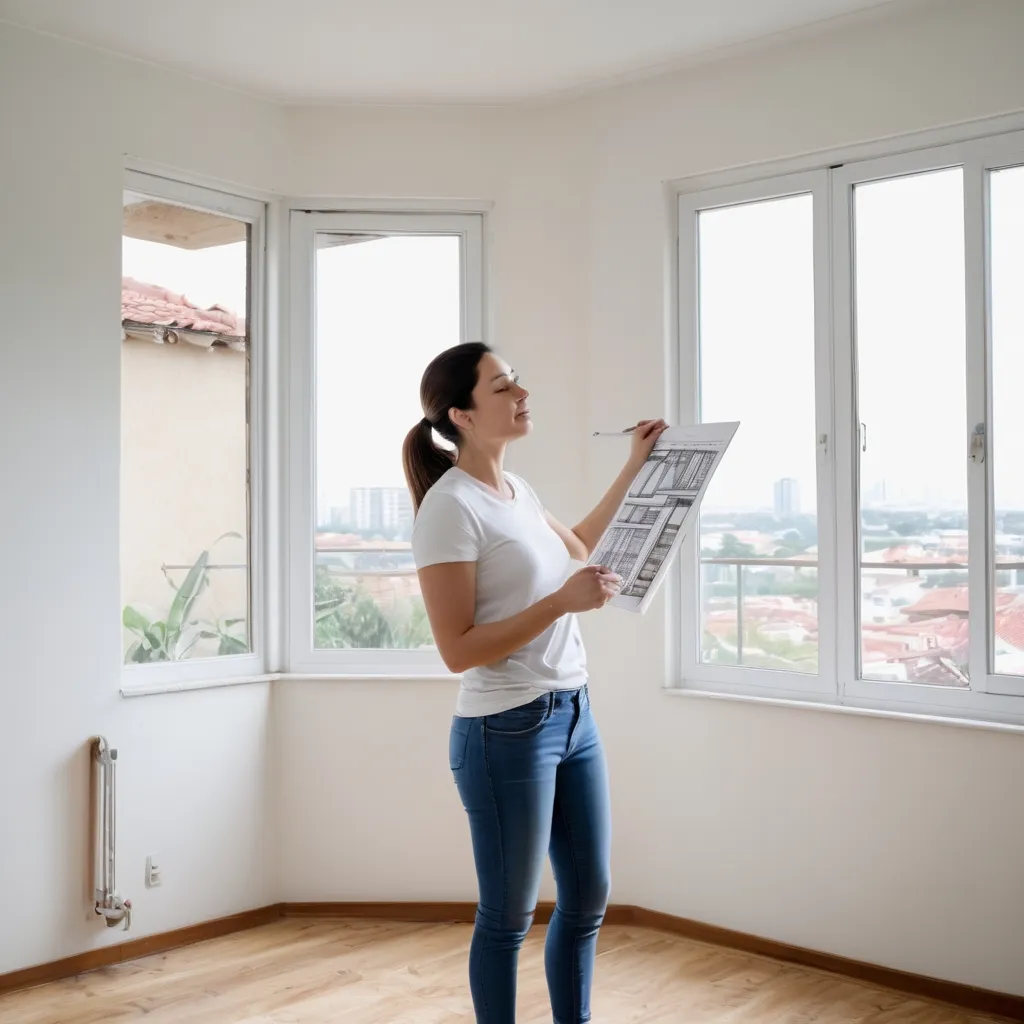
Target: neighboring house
{"points": [[929, 638], [183, 448]]}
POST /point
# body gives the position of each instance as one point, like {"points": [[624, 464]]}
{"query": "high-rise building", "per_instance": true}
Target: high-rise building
{"points": [[787, 497], [380, 509]]}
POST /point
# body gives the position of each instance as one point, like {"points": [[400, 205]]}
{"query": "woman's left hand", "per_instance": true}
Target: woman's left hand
{"points": [[644, 436]]}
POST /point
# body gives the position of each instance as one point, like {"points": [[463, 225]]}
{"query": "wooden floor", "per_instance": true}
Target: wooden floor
{"points": [[298, 971]]}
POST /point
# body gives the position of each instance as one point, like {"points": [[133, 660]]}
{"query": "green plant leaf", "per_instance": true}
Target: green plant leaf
{"points": [[232, 645], [326, 608], [142, 655], [190, 589], [135, 619], [154, 642], [186, 640]]}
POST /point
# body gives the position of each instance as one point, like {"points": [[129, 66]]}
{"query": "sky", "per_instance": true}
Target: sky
{"points": [[385, 307], [757, 347], [207, 277], [756, 328], [1007, 314]]}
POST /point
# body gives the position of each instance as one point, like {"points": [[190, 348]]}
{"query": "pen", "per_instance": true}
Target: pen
{"points": [[613, 433]]}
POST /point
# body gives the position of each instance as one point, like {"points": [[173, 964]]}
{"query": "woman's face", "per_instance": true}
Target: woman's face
{"points": [[500, 411]]}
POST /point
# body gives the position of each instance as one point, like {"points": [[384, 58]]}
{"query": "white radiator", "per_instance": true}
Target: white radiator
{"points": [[112, 907]]}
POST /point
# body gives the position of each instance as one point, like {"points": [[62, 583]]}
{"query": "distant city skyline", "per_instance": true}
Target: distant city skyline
{"points": [[368, 508]]}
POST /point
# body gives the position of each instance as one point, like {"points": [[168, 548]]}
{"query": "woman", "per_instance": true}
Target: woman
{"points": [[494, 569]]}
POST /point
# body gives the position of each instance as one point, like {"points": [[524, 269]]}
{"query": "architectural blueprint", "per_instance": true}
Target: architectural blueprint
{"points": [[648, 529]]}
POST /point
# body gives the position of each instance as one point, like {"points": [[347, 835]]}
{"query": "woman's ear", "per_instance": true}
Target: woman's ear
{"points": [[460, 418]]}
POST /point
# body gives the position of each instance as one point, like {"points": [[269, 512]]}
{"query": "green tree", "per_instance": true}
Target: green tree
{"points": [[791, 544], [733, 547], [349, 618]]}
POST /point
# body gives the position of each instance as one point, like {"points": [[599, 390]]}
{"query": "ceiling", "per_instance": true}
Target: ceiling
{"points": [[463, 51]]}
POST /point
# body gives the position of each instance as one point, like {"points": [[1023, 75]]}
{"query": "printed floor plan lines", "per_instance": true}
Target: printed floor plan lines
{"points": [[645, 535]]}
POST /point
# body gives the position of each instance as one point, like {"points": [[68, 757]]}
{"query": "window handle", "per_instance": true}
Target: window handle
{"points": [[863, 437], [978, 443]]}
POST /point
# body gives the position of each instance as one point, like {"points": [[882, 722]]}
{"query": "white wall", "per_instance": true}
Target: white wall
{"points": [[891, 842], [193, 766]]}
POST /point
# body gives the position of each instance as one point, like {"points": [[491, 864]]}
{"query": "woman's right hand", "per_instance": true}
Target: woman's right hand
{"points": [[592, 587]]}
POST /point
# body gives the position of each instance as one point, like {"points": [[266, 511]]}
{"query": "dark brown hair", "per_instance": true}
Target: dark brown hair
{"points": [[447, 383]]}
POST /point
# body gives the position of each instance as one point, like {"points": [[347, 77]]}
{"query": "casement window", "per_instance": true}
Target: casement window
{"points": [[374, 297], [190, 524], [863, 541]]}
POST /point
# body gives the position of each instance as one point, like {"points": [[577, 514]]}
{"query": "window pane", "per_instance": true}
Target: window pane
{"points": [[911, 376], [758, 525], [385, 306], [1007, 311], [184, 433]]}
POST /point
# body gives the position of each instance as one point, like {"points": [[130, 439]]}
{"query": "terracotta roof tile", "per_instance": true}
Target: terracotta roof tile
{"points": [[143, 303], [950, 600], [1010, 625]]}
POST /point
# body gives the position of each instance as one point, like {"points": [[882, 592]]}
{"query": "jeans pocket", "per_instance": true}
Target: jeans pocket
{"points": [[458, 741], [523, 720]]}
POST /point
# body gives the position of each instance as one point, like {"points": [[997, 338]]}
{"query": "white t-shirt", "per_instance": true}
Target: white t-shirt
{"points": [[520, 560]]}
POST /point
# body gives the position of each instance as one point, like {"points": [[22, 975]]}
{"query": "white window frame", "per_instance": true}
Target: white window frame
{"points": [[241, 667], [991, 697], [303, 658], [739, 678]]}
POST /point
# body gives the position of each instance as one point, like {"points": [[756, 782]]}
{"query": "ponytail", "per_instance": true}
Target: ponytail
{"points": [[424, 462], [447, 384]]}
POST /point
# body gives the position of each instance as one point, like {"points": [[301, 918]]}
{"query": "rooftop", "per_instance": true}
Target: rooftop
{"points": [[166, 316]]}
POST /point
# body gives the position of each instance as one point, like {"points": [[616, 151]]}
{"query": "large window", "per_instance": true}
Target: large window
{"points": [[864, 538], [186, 531], [378, 296]]}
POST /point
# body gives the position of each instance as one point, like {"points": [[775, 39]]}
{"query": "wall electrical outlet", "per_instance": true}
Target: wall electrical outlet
{"points": [[154, 873]]}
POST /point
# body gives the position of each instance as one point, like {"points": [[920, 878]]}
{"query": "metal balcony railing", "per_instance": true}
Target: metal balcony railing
{"points": [[740, 564]]}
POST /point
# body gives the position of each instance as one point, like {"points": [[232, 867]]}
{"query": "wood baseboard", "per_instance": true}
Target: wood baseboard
{"points": [[967, 997], [118, 952]]}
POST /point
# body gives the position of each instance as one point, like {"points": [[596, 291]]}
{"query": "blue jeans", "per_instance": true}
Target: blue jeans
{"points": [[533, 781]]}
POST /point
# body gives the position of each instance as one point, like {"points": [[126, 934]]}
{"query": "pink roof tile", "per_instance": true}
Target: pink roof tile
{"points": [[950, 600], [143, 303], [1010, 625]]}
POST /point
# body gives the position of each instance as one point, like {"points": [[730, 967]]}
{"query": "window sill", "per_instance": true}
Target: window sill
{"points": [[821, 704], [181, 686], [287, 677], [368, 677]]}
